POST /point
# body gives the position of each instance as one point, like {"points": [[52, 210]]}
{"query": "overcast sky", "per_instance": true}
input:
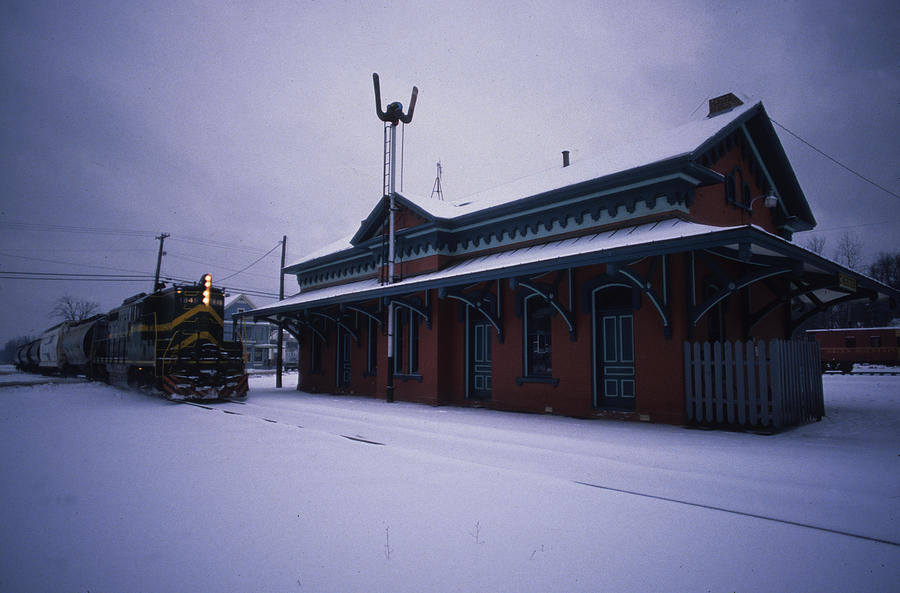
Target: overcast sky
{"points": [[230, 124]]}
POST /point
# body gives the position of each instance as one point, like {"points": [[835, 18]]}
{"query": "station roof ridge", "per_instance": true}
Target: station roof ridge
{"points": [[682, 143]]}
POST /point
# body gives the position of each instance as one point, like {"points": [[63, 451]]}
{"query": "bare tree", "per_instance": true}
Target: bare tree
{"points": [[816, 244], [849, 251], [886, 268], [68, 308]]}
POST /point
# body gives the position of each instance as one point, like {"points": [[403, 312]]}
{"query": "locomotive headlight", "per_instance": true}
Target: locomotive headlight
{"points": [[207, 288]]}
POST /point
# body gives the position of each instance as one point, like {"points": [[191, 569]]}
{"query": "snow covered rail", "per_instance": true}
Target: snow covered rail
{"points": [[750, 385]]}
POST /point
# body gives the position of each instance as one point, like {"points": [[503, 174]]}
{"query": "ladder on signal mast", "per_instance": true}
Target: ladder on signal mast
{"points": [[387, 159], [386, 197]]}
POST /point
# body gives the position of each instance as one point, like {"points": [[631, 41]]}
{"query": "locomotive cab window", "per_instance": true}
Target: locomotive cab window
{"points": [[189, 300]]}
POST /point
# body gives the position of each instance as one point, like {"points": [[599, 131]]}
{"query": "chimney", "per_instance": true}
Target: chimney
{"points": [[726, 102], [565, 158]]}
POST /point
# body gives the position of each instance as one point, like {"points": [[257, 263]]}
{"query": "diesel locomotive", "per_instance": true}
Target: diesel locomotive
{"points": [[171, 340]]}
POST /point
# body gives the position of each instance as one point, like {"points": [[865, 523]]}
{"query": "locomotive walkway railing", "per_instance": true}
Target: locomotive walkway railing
{"points": [[753, 384]]}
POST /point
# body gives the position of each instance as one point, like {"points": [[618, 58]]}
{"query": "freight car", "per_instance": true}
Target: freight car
{"points": [[171, 340], [51, 352], [841, 348], [78, 346], [28, 357]]}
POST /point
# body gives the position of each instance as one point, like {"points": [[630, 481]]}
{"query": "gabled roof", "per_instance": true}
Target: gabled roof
{"points": [[238, 297], [680, 147], [431, 210]]}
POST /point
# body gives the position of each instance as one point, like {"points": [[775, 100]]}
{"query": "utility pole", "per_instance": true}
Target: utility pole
{"points": [[391, 117], [279, 358], [161, 238]]}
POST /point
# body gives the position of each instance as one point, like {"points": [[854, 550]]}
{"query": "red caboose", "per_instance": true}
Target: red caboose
{"points": [[841, 348]]}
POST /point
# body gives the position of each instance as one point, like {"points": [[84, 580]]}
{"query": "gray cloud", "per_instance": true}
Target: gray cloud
{"points": [[239, 123]]}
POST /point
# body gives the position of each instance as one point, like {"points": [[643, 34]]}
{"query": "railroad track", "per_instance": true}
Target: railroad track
{"points": [[47, 381], [885, 373]]}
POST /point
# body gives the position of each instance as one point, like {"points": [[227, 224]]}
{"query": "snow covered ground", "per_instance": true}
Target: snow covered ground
{"points": [[106, 490]]}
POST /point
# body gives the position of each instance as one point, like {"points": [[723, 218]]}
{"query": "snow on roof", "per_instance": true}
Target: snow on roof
{"points": [[544, 253], [333, 247], [236, 297], [436, 208], [676, 142], [679, 141]]}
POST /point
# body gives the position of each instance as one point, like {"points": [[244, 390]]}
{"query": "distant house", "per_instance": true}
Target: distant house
{"points": [[260, 338], [648, 283]]}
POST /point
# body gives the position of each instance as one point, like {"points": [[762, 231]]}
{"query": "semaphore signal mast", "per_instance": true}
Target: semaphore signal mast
{"points": [[391, 117]]}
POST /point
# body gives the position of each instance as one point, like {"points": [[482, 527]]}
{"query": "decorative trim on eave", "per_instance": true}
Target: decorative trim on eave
{"points": [[723, 133], [368, 228], [762, 165], [503, 226]]}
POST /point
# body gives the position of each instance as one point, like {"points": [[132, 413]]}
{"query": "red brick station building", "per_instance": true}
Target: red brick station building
{"points": [[588, 290]]}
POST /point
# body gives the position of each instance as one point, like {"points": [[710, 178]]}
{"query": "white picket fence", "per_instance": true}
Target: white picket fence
{"points": [[751, 384]]}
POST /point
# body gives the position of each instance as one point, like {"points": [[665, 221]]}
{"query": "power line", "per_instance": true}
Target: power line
{"points": [[58, 228], [218, 244], [77, 277], [850, 226], [135, 276], [80, 250], [837, 162], [2, 277], [64, 263], [74, 279], [251, 292], [182, 257], [252, 264], [87, 277]]}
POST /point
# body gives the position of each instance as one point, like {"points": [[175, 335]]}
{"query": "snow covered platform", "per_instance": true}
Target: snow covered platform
{"points": [[113, 490]]}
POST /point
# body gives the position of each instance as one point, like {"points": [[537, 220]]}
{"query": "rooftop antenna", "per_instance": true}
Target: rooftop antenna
{"points": [[391, 117], [436, 190]]}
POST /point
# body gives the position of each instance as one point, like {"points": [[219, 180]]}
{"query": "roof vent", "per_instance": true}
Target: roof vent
{"points": [[724, 103]]}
